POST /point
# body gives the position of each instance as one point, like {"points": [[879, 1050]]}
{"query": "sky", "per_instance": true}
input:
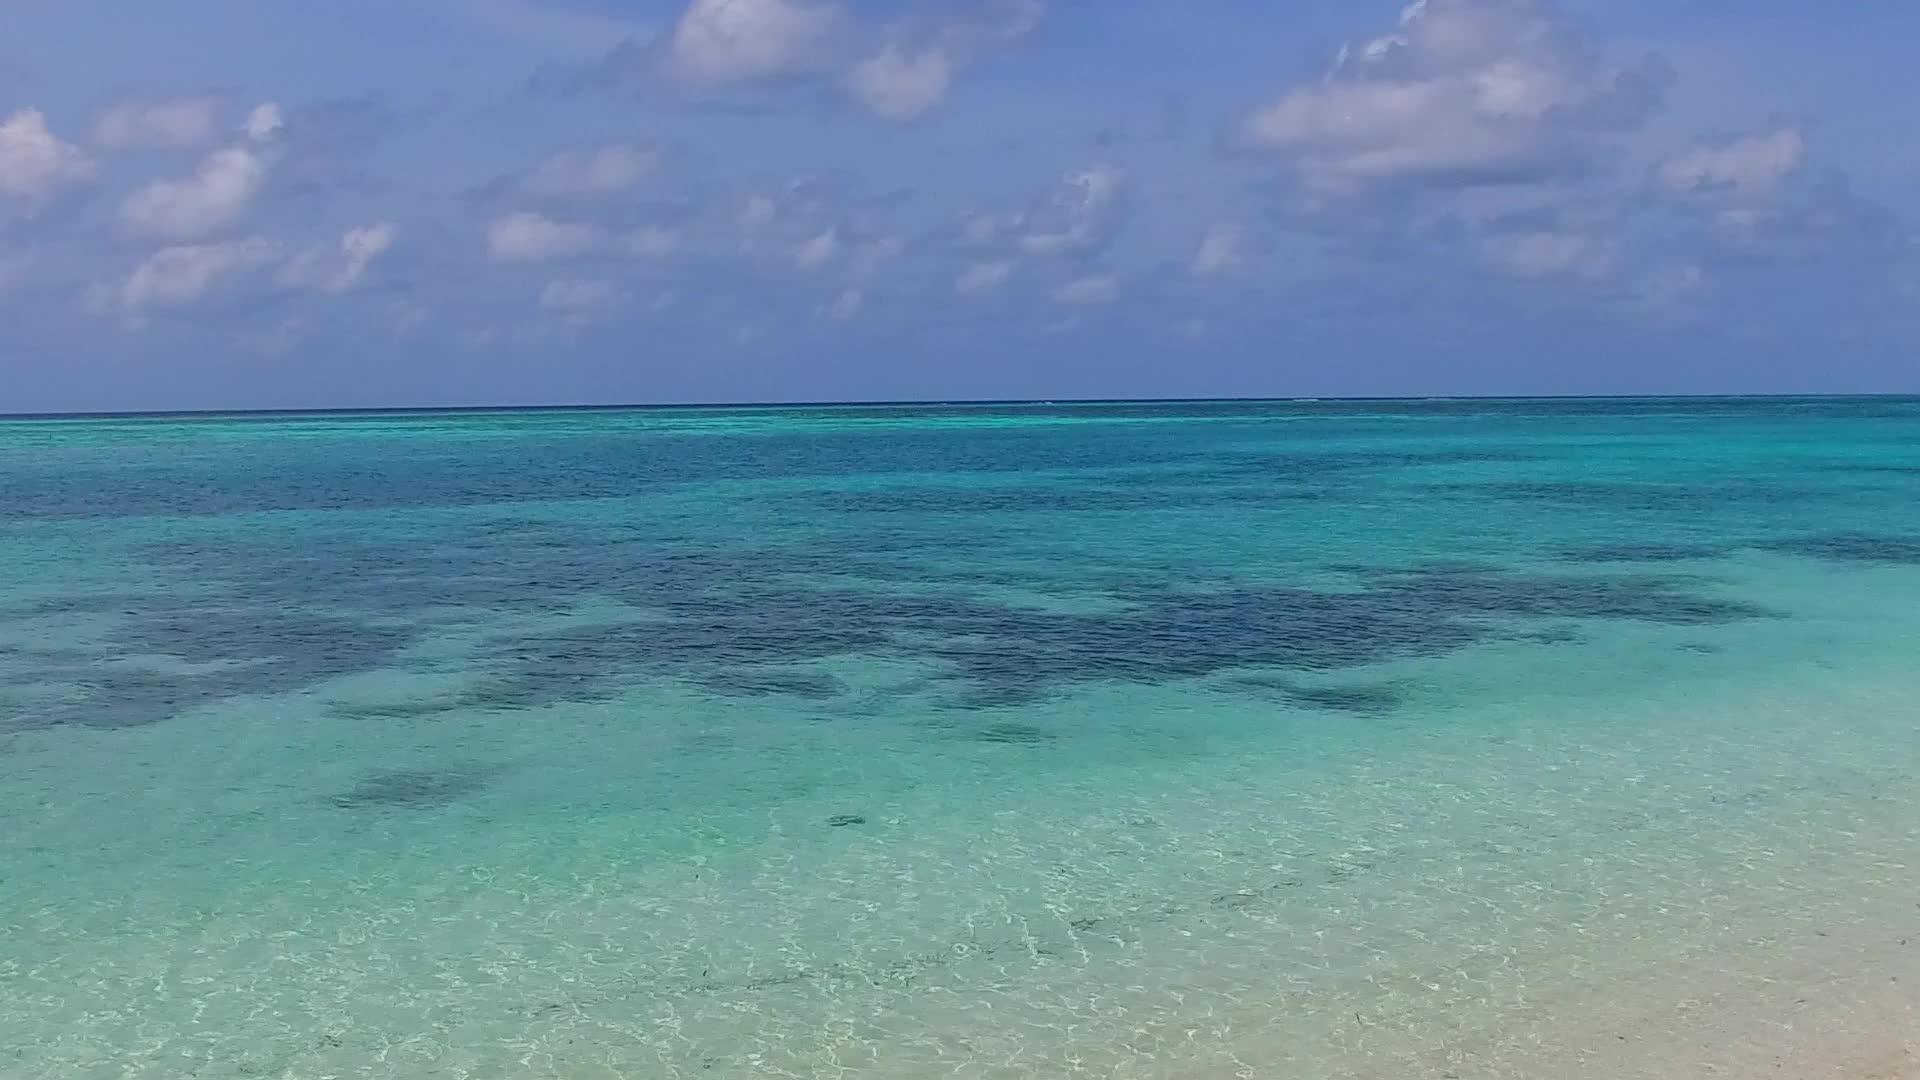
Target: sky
{"points": [[286, 204]]}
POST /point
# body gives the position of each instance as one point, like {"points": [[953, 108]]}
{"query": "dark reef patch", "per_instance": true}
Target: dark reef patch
{"points": [[414, 789], [421, 709], [1011, 734], [1872, 469], [1662, 499], [753, 682], [815, 543], [251, 650], [737, 623], [1359, 699], [1853, 548], [1651, 598], [1644, 553]]}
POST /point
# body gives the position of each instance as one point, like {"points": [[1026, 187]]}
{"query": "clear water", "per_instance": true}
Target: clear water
{"points": [[1316, 739]]}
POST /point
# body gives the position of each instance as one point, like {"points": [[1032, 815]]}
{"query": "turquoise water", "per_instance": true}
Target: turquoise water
{"points": [[1303, 739]]}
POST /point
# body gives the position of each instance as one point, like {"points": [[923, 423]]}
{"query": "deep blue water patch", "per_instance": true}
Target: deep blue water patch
{"points": [[766, 682], [1361, 699], [1670, 498], [735, 621], [1008, 733], [1645, 552], [1893, 550], [240, 651], [414, 789], [750, 544]]}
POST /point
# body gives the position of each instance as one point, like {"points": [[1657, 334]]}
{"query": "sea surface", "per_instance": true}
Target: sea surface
{"points": [[1289, 739]]}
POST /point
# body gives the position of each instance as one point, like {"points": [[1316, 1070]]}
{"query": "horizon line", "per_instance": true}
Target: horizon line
{"points": [[937, 403]]}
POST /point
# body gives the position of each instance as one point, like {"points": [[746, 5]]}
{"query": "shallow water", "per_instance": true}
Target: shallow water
{"points": [[1333, 739]]}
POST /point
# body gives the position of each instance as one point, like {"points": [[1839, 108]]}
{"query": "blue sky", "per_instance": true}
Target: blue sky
{"points": [[279, 203]]}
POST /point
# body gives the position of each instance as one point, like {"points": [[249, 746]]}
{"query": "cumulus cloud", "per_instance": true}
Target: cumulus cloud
{"points": [[215, 196], [13, 268], [264, 122], [406, 316], [1757, 199], [535, 237], [1095, 289], [173, 124], [278, 340], [608, 170], [1077, 216], [867, 258], [1219, 250], [180, 275], [898, 62], [1747, 165], [341, 268], [846, 305], [818, 251], [1461, 93], [723, 42], [912, 69], [984, 277], [758, 211], [1549, 253], [34, 162], [526, 236], [579, 301], [901, 85], [541, 24], [651, 242], [1670, 285]]}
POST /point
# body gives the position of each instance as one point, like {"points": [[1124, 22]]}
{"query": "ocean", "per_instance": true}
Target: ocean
{"points": [[1240, 739]]}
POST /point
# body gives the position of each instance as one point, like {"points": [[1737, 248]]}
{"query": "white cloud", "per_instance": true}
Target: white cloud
{"points": [[912, 72], [530, 237], [13, 268], [179, 275], [361, 247], [266, 121], [541, 24], [1549, 253], [579, 301], [534, 237], [723, 42], [278, 341], [1463, 92], [980, 229], [901, 85], [983, 277], [1749, 164], [868, 258], [406, 316], [1077, 216], [846, 305], [1089, 291], [652, 242], [175, 124], [819, 251], [898, 61], [340, 269], [757, 212], [1669, 286], [608, 170], [33, 161], [218, 192], [1219, 250]]}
